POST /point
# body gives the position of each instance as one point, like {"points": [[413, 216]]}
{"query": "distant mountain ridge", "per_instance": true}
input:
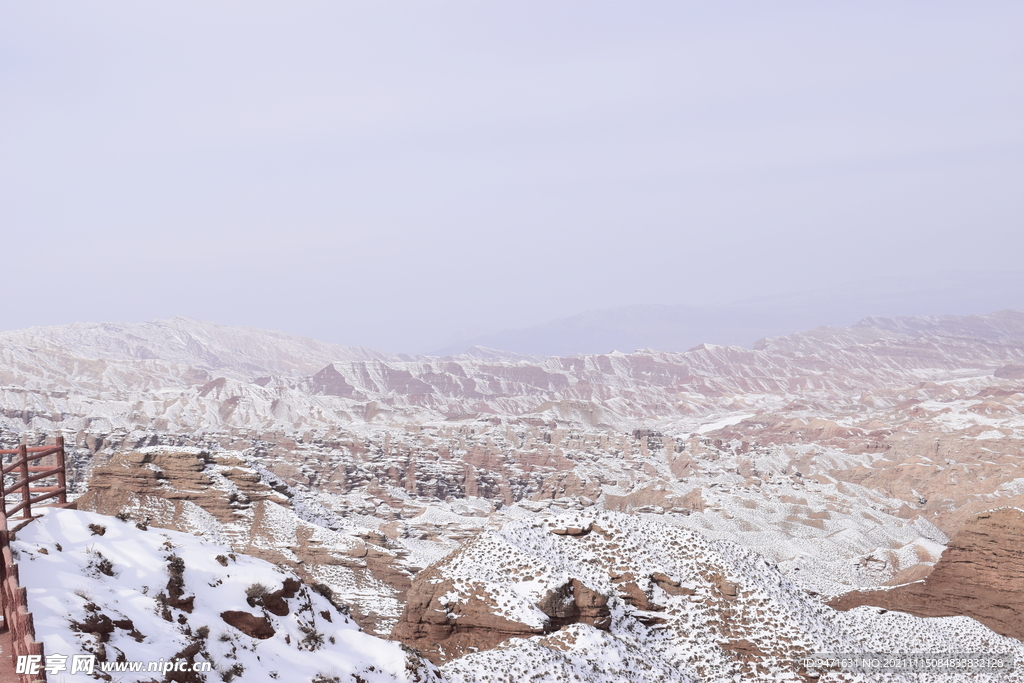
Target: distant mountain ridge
{"points": [[188, 376], [191, 343], [743, 323]]}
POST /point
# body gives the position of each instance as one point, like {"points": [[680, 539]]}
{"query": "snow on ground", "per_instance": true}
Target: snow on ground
{"points": [[99, 585], [724, 422], [728, 600]]}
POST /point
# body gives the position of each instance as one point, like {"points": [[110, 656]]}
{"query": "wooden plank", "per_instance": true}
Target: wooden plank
{"points": [[26, 496], [34, 478]]}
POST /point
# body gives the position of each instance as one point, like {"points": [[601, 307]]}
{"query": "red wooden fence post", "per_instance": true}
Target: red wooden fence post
{"points": [[3, 490], [62, 479], [26, 512]]}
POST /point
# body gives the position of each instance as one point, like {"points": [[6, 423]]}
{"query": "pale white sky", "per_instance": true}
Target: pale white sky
{"points": [[399, 174]]}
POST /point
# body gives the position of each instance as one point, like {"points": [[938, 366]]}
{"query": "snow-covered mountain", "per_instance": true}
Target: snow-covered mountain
{"points": [[842, 458], [742, 323], [171, 352], [184, 376], [885, 430]]}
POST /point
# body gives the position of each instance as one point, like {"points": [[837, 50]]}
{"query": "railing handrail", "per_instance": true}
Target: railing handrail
{"points": [[59, 492], [51, 472], [17, 463], [13, 596], [39, 450], [28, 475]]}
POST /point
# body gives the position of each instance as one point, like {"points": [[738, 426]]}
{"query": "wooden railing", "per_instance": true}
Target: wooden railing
{"points": [[26, 492], [17, 619], [31, 474]]}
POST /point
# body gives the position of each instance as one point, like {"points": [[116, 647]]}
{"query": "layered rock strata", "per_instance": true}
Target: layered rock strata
{"points": [[980, 575]]}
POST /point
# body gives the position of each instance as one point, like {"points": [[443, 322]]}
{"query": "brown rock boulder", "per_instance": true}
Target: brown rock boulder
{"points": [[575, 603], [442, 631], [640, 594], [980, 575], [670, 585], [249, 624], [277, 601]]}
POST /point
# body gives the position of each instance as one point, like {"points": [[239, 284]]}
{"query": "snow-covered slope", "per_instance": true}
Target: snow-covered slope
{"points": [[594, 598], [102, 586], [613, 597], [237, 503]]}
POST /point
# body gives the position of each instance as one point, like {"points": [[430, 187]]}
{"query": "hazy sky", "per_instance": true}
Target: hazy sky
{"points": [[399, 174]]}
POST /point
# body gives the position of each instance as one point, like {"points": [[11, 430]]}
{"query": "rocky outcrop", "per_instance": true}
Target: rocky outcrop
{"points": [[442, 631], [574, 603], [438, 634], [980, 575], [250, 624], [130, 479]]}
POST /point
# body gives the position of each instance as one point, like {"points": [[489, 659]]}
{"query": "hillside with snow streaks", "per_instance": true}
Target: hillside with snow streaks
{"points": [[101, 586], [224, 499]]}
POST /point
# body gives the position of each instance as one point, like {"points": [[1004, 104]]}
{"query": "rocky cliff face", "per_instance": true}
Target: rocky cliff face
{"points": [[441, 629], [980, 575], [221, 497]]}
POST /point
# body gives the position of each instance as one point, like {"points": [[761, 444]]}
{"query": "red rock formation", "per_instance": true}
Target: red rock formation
{"points": [[980, 575], [441, 633], [250, 624]]}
